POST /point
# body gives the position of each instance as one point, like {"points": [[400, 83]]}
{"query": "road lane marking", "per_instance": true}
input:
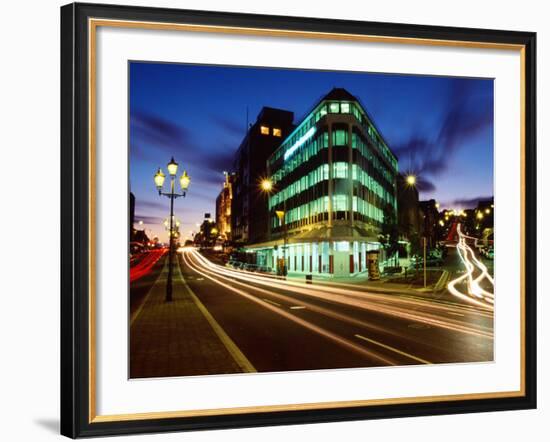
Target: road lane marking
{"points": [[297, 307], [387, 347], [239, 357], [271, 302], [306, 324]]}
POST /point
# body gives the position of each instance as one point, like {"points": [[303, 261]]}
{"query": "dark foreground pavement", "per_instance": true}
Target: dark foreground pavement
{"points": [[222, 321], [180, 337]]}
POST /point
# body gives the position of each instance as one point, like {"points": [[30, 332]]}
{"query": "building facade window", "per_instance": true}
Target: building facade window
{"points": [[340, 203], [277, 132], [340, 170], [264, 130], [340, 137]]}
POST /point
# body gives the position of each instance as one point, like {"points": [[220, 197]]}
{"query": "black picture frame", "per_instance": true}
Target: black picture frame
{"points": [[75, 221]]}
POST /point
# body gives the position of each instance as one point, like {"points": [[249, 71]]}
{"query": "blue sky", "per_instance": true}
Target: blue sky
{"points": [[441, 128]]}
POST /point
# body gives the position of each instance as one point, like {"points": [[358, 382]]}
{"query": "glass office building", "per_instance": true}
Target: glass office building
{"points": [[334, 181]]}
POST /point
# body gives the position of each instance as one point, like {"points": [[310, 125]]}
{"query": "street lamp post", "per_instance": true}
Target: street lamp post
{"points": [[281, 214], [267, 186], [184, 184]]}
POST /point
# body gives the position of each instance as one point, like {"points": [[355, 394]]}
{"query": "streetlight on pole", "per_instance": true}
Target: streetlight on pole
{"points": [[281, 215], [411, 180], [267, 186], [184, 184]]}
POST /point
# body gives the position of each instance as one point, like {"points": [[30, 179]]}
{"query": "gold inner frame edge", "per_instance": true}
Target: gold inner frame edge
{"points": [[93, 24]]}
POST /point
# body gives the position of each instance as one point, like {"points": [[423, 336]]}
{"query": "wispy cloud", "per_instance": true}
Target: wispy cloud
{"points": [[152, 135], [231, 127], [157, 130], [470, 202], [464, 120], [151, 205], [424, 185], [147, 219]]}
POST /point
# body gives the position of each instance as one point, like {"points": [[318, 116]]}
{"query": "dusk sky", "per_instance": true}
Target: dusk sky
{"points": [[440, 128]]}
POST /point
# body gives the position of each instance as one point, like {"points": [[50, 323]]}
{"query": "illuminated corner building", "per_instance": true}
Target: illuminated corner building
{"points": [[223, 207], [249, 206], [335, 179]]}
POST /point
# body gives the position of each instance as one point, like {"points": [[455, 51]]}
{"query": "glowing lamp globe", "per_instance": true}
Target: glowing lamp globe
{"points": [[411, 180], [159, 179], [185, 181], [172, 167], [267, 185]]}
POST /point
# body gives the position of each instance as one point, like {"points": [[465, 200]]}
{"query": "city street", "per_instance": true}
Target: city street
{"points": [[287, 325], [265, 323]]}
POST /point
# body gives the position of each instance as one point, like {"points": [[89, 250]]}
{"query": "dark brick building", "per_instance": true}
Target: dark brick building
{"points": [[248, 208]]}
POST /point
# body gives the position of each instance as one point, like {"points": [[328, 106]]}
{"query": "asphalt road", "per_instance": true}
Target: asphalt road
{"points": [[286, 325]]}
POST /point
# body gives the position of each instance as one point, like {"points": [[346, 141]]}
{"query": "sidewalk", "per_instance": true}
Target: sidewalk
{"points": [[179, 338]]}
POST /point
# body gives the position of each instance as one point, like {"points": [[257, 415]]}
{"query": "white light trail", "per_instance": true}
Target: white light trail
{"points": [[316, 329], [384, 304], [475, 293]]}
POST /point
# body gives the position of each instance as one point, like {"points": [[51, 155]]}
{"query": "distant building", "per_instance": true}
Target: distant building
{"points": [[132, 214], [140, 242], [249, 209], [333, 179], [431, 228], [223, 207], [207, 234], [484, 219], [410, 219]]}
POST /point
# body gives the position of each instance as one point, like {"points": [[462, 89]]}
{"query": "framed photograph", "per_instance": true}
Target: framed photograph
{"points": [[274, 220]]}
